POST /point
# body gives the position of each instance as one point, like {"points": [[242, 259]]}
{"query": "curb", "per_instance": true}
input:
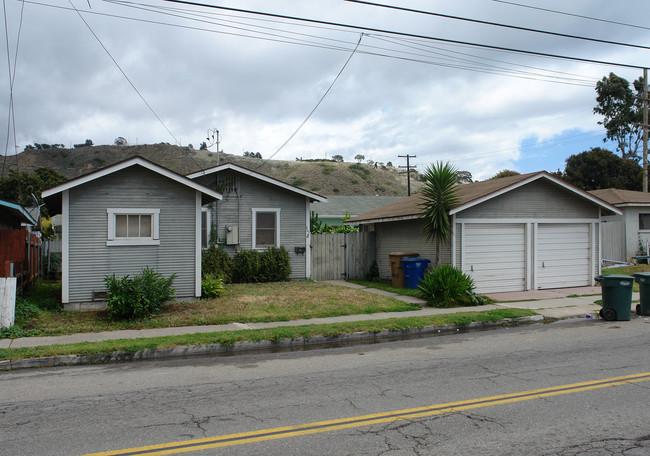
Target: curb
{"points": [[311, 343]]}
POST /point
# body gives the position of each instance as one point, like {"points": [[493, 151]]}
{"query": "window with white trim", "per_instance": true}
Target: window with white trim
{"points": [[266, 228], [206, 227], [133, 226], [644, 221]]}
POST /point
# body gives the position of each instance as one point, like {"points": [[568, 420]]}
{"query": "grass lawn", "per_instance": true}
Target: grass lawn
{"points": [[273, 334], [386, 286], [628, 270], [239, 303]]}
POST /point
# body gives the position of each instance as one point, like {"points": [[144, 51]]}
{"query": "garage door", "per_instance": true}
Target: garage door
{"points": [[495, 256], [563, 255]]}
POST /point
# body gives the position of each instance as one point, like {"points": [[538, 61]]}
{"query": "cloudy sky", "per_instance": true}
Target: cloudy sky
{"points": [[155, 71]]}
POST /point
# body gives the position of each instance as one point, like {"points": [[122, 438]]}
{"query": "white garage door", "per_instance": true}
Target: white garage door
{"points": [[495, 256], [563, 255]]}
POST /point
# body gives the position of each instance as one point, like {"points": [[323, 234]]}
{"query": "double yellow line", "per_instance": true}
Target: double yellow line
{"points": [[367, 420]]}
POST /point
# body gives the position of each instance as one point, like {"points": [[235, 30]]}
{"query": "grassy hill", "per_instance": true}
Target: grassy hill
{"points": [[323, 177]]}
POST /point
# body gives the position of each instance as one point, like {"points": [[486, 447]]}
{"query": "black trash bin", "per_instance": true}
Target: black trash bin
{"points": [[617, 296], [643, 279]]}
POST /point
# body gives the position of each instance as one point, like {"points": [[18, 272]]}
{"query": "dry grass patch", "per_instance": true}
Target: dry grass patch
{"points": [[239, 303]]}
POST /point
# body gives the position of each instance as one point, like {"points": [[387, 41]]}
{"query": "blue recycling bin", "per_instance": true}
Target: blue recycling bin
{"points": [[414, 271]]}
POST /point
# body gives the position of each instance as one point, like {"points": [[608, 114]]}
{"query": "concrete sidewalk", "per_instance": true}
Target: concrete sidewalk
{"points": [[555, 304]]}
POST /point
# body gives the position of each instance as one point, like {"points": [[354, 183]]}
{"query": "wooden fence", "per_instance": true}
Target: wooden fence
{"points": [[19, 255], [342, 255]]}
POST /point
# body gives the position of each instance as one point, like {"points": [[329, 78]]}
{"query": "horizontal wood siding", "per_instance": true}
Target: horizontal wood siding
{"points": [[91, 260], [236, 209], [405, 236], [537, 200]]}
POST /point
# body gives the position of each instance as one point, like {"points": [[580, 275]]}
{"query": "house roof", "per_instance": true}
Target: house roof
{"points": [[16, 212], [622, 198], [470, 195], [209, 194], [336, 206], [254, 174]]}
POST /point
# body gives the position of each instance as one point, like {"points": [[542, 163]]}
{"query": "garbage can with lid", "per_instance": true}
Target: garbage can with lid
{"points": [[617, 296], [643, 279], [414, 271], [396, 271]]}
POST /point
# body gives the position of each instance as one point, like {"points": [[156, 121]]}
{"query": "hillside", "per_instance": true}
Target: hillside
{"points": [[323, 177]]}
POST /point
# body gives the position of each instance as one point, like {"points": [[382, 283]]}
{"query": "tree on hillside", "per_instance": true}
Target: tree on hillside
{"points": [[505, 173], [622, 110], [464, 176], [87, 143], [19, 187], [439, 196], [337, 158], [600, 168], [359, 158]]}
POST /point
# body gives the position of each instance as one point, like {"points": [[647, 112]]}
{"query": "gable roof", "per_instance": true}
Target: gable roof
{"points": [[355, 205], [622, 198], [470, 195], [17, 212], [208, 193], [254, 174]]}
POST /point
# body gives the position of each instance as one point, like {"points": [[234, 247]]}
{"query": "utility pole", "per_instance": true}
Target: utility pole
{"points": [[214, 133], [408, 169], [645, 130]]}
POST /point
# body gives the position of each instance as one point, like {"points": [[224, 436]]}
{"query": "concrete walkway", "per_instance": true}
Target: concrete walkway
{"points": [[556, 304]]}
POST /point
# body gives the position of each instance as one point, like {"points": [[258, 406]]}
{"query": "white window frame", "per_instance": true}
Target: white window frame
{"points": [[154, 239], [277, 227], [645, 214], [205, 239]]}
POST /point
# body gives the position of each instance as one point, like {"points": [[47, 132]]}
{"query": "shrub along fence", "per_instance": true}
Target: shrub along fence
{"points": [[342, 255]]}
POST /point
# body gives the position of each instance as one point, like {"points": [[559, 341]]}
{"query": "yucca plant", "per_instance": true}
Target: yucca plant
{"points": [[446, 286], [438, 197]]}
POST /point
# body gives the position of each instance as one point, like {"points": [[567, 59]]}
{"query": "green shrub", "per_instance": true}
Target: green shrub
{"points": [[373, 273], [446, 286], [211, 286], [246, 266], [275, 265], [133, 298], [216, 261]]}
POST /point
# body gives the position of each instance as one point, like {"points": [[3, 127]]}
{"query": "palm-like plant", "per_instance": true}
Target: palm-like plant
{"points": [[439, 196]]}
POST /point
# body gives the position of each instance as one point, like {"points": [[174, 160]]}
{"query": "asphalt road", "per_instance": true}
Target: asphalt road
{"points": [[471, 394]]}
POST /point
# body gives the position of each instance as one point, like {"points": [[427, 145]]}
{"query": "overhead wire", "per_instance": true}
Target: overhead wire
{"points": [[123, 73], [497, 24], [315, 107], [564, 13]]}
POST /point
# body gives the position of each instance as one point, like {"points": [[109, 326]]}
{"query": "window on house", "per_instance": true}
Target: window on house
{"points": [[133, 226], [644, 221], [266, 228], [206, 227]]}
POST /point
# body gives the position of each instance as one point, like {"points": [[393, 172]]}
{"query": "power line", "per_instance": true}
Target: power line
{"points": [[123, 73], [572, 14], [411, 35], [315, 107], [496, 24]]}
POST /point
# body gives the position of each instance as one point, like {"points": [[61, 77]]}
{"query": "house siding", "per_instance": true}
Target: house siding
{"points": [[405, 236], [537, 200], [91, 259], [236, 209]]}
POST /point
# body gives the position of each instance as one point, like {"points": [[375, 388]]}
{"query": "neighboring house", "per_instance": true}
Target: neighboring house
{"points": [[336, 208], [525, 232], [18, 246], [258, 212], [627, 235], [124, 217]]}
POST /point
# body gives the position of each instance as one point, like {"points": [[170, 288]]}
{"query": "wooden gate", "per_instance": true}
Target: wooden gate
{"points": [[341, 255]]}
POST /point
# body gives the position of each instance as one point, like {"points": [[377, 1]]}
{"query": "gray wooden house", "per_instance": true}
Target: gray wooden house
{"points": [[627, 235], [525, 232], [258, 212], [122, 218]]}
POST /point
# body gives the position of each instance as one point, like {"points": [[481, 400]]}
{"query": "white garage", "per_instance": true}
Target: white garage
{"points": [[524, 232]]}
